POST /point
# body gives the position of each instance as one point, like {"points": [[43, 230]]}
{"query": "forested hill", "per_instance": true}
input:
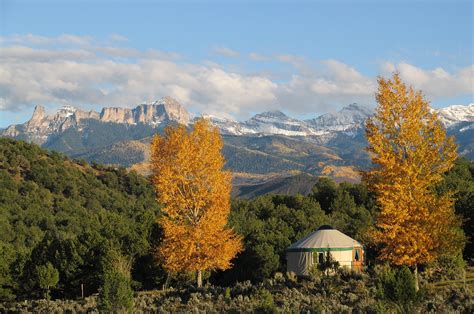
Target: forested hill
{"points": [[54, 209]]}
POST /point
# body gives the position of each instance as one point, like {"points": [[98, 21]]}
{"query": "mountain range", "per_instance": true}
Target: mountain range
{"points": [[266, 150]]}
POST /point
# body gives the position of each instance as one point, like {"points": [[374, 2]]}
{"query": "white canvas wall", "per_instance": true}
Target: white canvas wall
{"points": [[300, 262]]}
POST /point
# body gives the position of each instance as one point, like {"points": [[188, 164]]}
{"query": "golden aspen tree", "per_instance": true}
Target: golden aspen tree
{"points": [[410, 152], [195, 193]]}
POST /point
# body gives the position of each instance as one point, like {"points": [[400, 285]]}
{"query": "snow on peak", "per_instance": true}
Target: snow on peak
{"points": [[349, 120], [454, 114], [67, 111], [167, 101], [349, 117], [274, 117]]}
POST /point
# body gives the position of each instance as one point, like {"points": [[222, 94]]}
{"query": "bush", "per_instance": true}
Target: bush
{"points": [[385, 280], [404, 289], [397, 286], [329, 265], [227, 295], [448, 267], [315, 272], [116, 294], [47, 277], [266, 301]]}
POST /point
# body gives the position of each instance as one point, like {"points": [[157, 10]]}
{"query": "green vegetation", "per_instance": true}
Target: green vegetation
{"points": [[291, 185], [269, 225], [56, 211], [116, 294], [47, 277], [461, 180], [397, 286], [344, 292], [65, 223]]}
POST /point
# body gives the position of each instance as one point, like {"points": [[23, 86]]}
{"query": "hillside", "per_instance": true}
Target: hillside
{"points": [[51, 205], [291, 185], [70, 214]]}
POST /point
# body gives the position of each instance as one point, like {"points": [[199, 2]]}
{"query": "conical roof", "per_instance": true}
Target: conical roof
{"points": [[324, 238]]}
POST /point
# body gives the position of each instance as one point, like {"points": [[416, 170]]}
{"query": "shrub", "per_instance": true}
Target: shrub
{"points": [[385, 280], [404, 289], [116, 294], [291, 276], [266, 301], [315, 272], [47, 277], [329, 265], [397, 286], [447, 267], [227, 295]]}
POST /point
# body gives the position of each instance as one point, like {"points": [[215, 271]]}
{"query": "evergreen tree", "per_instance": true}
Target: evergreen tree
{"points": [[47, 277], [116, 294]]}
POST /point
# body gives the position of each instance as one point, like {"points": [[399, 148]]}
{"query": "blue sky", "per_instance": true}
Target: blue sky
{"points": [[232, 58]]}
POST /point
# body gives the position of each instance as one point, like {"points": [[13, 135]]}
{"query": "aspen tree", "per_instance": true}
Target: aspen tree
{"points": [[410, 152], [195, 193]]}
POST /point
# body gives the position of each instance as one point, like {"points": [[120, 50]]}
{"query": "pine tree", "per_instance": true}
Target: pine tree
{"points": [[48, 277], [116, 293], [411, 152], [195, 193]]}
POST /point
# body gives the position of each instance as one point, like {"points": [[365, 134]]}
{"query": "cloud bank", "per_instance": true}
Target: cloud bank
{"points": [[76, 70]]}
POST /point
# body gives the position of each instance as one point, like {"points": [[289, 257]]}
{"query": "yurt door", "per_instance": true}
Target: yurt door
{"points": [[357, 258]]}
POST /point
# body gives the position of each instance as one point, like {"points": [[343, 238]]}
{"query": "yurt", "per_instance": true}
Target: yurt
{"points": [[310, 250]]}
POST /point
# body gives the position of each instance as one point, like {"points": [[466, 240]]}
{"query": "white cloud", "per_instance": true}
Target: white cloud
{"points": [[42, 40], [435, 83], [30, 76], [106, 75], [257, 57], [323, 86], [226, 52], [118, 38], [296, 61], [18, 54]]}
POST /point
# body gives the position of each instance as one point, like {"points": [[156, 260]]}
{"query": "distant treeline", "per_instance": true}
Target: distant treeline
{"points": [[70, 214]]}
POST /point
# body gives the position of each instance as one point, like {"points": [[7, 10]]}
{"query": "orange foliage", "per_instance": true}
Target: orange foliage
{"points": [[411, 152], [195, 193]]}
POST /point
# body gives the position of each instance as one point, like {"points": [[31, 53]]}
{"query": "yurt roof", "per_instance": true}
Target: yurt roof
{"points": [[324, 239]]}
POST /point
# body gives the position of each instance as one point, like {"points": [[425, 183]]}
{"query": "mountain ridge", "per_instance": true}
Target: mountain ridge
{"points": [[332, 144], [167, 109]]}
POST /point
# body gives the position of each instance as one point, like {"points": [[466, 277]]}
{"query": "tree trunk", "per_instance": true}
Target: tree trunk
{"points": [[415, 274], [167, 282], [199, 278]]}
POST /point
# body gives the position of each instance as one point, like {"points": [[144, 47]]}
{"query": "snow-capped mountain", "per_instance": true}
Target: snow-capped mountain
{"points": [[271, 142], [277, 123], [349, 120], [41, 126], [455, 114], [266, 123], [350, 117], [161, 111], [229, 126]]}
